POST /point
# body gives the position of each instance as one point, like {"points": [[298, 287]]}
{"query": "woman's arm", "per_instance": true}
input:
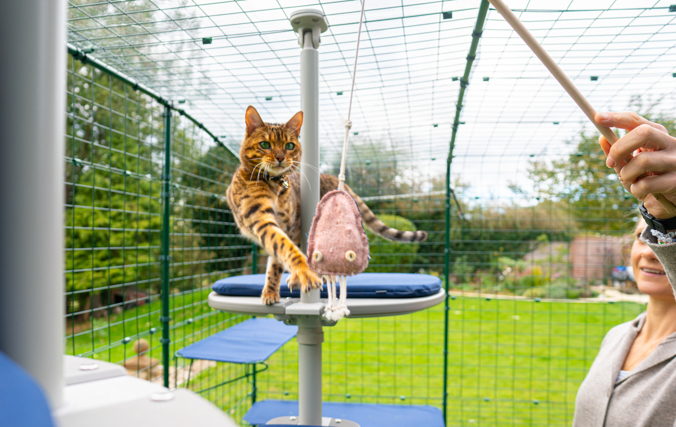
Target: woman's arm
{"points": [[645, 161]]}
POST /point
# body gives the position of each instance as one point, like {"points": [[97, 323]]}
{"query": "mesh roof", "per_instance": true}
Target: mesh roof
{"points": [[405, 95]]}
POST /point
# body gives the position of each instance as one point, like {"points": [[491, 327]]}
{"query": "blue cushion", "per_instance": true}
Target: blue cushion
{"points": [[365, 285], [251, 341], [366, 415], [22, 402]]}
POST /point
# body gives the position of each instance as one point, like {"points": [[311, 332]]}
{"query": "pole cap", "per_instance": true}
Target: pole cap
{"points": [[309, 19]]}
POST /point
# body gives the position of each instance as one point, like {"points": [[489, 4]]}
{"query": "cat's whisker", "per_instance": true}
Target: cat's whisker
{"points": [[310, 166], [303, 175], [254, 170], [259, 170]]}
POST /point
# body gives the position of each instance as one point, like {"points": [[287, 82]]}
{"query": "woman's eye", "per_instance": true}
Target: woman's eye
{"points": [[290, 146], [265, 145]]}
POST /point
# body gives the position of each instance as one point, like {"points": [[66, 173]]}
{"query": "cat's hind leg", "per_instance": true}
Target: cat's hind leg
{"points": [[273, 277]]}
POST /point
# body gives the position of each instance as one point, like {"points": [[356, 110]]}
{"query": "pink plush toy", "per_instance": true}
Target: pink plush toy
{"points": [[337, 247]]}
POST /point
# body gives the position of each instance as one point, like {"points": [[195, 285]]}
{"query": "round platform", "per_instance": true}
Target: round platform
{"points": [[359, 307]]}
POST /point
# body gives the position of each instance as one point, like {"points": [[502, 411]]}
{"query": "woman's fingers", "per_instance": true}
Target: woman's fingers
{"points": [[644, 159], [661, 184], [605, 146], [625, 120], [648, 163], [645, 137]]}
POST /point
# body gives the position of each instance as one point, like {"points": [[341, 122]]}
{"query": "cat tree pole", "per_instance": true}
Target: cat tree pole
{"points": [[309, 24]]}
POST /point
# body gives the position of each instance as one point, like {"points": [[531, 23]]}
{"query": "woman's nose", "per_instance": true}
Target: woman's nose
{"points": [[648, 253]]}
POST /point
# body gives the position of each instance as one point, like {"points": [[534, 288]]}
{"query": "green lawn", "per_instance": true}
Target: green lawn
{"points": [[510, 362]]}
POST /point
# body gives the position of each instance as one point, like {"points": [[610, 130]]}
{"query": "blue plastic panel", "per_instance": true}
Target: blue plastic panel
{"points": [[251, 341], [365, 285], [22, 402], [366, 415]]}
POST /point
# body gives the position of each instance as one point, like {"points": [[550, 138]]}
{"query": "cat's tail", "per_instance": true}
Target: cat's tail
{"points": [[372, 222]]}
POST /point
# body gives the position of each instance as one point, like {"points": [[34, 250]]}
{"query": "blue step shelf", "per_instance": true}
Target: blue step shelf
{"points": [[250, 342]]}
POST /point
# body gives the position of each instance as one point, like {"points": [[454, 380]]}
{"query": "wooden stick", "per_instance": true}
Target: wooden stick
{"points": [[567, 84]]}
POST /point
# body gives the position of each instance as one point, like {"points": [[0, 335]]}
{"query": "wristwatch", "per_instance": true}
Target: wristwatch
{"points": [[661, 225]]}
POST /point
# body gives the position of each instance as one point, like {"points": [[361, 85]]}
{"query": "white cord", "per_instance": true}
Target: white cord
{"points": [[348, 123]]}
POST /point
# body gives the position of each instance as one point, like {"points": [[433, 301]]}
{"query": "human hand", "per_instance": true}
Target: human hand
{"points": [[644, 159]]}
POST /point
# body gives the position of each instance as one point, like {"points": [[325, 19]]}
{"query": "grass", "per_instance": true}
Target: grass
{"points": [[510, 362]]}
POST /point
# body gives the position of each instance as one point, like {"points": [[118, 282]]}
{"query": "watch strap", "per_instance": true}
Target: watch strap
{"points": [[661, 225]]}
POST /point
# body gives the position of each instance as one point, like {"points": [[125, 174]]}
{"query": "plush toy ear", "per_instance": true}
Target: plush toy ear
{"points": [[295, 123], [253, 120]]}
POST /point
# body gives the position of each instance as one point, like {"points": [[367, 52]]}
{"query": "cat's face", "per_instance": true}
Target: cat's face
{"points": [[271, 148]]}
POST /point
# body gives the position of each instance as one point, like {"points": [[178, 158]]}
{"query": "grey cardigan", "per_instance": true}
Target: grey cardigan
{"points": [[647, 396]]}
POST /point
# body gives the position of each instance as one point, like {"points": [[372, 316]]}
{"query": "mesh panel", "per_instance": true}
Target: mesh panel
{"points": [[526, 225]]}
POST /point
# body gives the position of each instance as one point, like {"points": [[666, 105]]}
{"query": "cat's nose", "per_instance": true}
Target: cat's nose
{"points": [[279, 157]]}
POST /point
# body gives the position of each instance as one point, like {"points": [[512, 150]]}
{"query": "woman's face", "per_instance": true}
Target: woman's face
{"points": [[648, 271]]}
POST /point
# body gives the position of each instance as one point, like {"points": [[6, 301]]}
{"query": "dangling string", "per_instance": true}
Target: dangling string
{"points": [[336, 308], [348, 123]]}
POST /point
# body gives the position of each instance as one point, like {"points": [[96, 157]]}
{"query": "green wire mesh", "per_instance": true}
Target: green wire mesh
{"points": [[536, 223]]}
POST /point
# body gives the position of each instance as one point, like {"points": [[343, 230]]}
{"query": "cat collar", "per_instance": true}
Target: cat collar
{"points": [[281, 178]]}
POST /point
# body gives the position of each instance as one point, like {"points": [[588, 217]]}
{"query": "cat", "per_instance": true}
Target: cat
{"points": [[264, 197]]}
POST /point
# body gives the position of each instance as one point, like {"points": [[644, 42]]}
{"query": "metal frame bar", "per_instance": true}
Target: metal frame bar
{"points": [[464, 82], [86, 58], [165, 259]]}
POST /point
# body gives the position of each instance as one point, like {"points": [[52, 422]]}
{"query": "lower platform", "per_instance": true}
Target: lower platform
{"points": [[364, 414]]}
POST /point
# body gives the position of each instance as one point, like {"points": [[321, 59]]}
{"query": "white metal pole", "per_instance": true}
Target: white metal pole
{"points": [[309, 139], [309, 24], [32, 100], [310, 335]]}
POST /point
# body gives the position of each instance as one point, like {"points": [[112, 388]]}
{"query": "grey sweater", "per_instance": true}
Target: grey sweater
{"points": [[647, 396]]}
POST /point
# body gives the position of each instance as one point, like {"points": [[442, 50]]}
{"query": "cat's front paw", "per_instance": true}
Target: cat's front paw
{"points": [[304, 277], [269, 297]]}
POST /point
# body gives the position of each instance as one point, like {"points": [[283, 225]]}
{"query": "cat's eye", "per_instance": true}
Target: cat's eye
{"points": [[265, 145], [350, 256], [290, 146]]}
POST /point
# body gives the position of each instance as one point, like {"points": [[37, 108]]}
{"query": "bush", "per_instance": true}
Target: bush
{"points": [[387, 256], [462, 270]]}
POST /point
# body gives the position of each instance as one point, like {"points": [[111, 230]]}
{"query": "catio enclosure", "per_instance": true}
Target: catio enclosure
{"points": [[457, 130]]}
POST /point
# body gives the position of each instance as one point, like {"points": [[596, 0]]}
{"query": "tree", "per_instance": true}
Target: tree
{"points": [[582, 183], [115, 153]]}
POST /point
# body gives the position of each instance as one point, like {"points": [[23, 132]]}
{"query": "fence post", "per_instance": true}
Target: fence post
{"points": [[254, 258], [447, 277], [464, 82], [254, 270], [165, 258]]}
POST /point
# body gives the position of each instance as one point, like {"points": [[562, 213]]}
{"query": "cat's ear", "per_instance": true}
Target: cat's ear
{"points": [[253, 120], [295, 123]]}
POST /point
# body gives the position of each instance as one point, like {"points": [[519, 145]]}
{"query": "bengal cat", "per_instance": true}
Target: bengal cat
{"points": [[264, 197]]}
